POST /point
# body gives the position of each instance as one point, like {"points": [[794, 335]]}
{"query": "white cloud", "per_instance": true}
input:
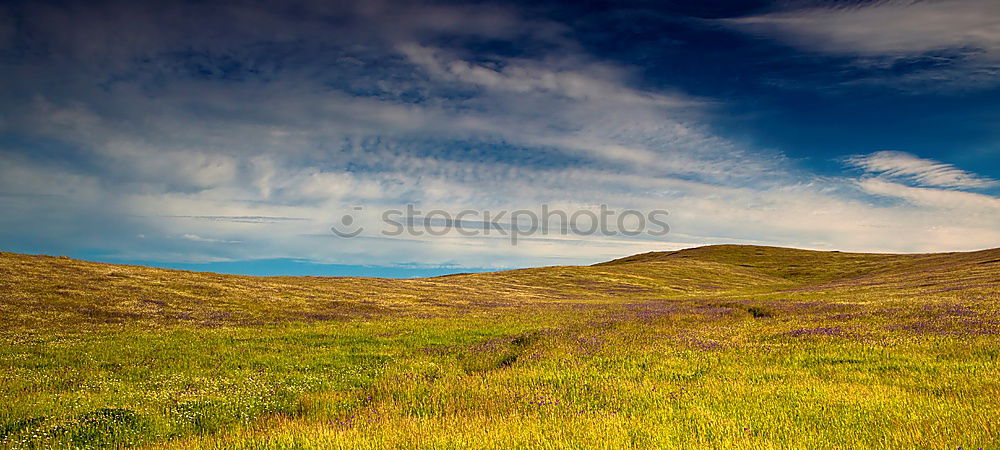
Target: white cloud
{"points": [[926, 172], [966, 202], [197, 238], [962, 37], [566, 76], [898, 27]]}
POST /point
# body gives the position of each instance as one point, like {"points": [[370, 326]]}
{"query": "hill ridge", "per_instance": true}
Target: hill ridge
{"points": [[45, 291]]}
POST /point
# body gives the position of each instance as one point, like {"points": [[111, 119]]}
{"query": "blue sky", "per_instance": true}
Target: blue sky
{"points": [[230, 136]]}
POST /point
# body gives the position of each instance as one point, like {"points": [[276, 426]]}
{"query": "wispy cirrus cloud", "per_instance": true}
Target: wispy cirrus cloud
{"points": [[926, 172], [948, 42], [944, 199]]}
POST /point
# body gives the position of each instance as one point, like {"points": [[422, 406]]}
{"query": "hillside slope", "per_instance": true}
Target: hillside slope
{"points": [[831, 269], [38, 292]]}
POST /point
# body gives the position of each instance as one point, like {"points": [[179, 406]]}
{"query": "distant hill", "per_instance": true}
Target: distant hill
{"points": [[45, 292], [811, 266]]}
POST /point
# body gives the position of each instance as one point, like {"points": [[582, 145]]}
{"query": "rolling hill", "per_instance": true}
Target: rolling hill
{"points": [[42, 291]]}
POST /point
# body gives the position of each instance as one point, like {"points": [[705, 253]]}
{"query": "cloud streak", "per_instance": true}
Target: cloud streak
{"points": [[958, 40], [926, 172]]}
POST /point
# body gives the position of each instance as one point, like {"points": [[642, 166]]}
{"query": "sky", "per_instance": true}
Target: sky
{"points": [[231, 136]]}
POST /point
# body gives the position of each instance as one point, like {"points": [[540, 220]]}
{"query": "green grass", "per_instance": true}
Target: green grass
{"points": [[724, 346]]}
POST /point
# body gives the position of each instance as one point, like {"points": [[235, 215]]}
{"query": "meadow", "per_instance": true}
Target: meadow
{"points": [[720, 346]]}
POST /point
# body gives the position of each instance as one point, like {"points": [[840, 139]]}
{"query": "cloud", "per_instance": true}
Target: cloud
{"points": [[926, 172], [967, 202], [955, 41], [196, 238], [566, 76]]}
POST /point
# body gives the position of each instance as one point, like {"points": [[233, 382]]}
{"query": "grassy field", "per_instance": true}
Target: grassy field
{"points": [[722, 346]]}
